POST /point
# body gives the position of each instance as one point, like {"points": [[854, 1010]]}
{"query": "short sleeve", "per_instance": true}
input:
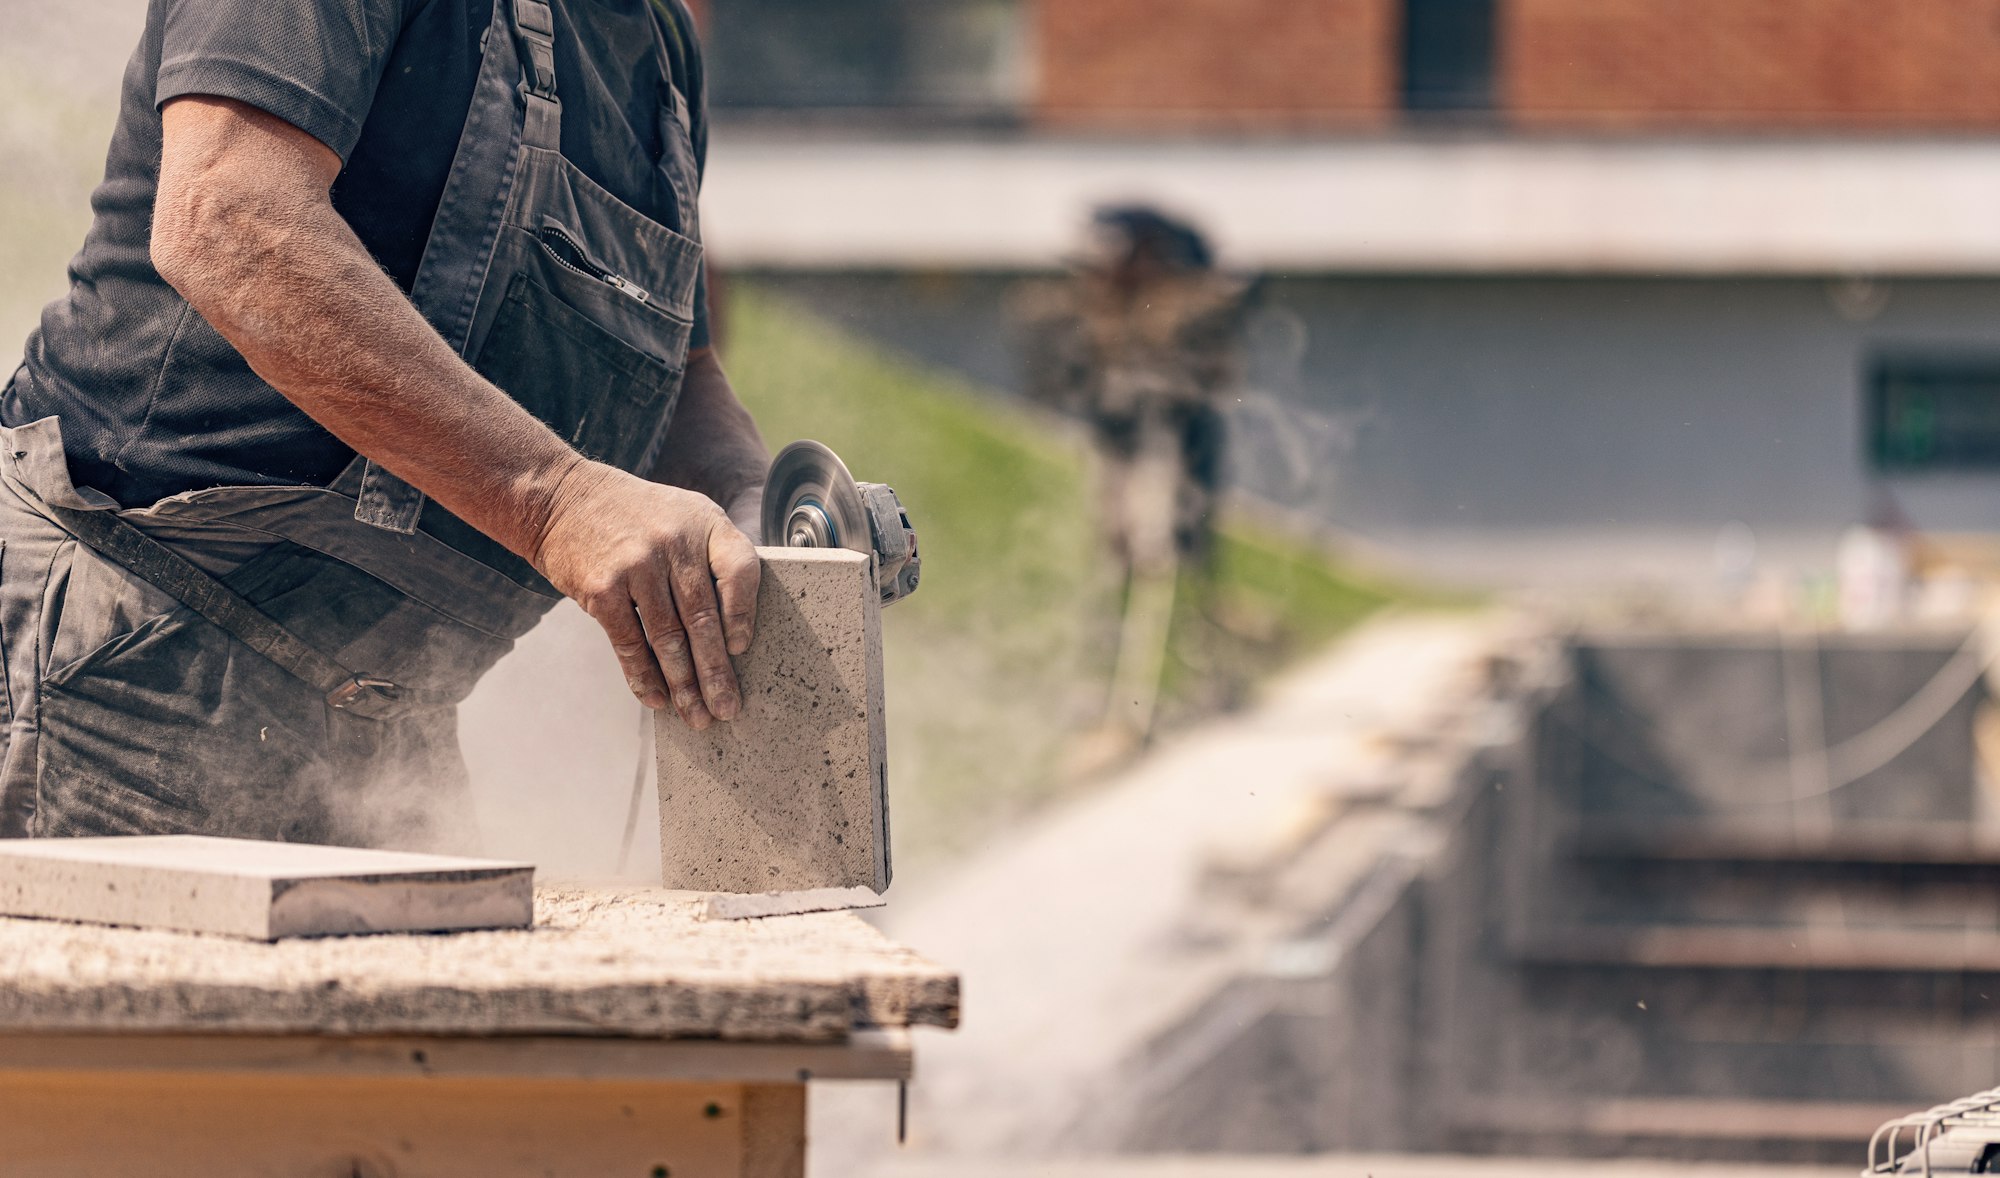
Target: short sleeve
{"points": [[313, 63]]}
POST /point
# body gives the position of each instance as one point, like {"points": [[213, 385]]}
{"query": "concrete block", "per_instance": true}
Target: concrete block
{"points": [[792, 795], [259, 890]]}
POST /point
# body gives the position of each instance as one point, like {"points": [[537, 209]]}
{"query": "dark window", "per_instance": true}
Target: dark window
{"points": [[1934, 413], [1447, 56], [945, 56]]}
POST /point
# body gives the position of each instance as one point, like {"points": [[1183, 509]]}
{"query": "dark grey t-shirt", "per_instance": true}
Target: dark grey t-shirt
{"points": [[154, 402]]}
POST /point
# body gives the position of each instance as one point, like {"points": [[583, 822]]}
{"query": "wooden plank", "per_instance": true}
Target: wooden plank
{"points": [[155, 1125], [883, 1055], [606, 962], [774, 1131]]}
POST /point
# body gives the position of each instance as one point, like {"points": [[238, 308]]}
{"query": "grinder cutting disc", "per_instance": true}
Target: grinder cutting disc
{"points": [[810, 501]]}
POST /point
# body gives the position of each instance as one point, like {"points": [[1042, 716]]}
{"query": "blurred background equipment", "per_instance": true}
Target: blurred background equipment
{"points": [[1961, 1137], [1143, 342]]}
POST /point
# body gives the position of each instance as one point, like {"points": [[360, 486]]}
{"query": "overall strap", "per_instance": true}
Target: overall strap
{"points": [[535, 33], [680, 64], [122, 544], [514, 106], [673, 17]]}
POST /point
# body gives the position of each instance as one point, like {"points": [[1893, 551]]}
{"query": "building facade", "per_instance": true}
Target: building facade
{"points": [[1558, 286], [1175, 66]]}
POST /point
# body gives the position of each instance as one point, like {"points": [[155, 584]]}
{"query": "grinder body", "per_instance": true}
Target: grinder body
{"points": [[811, 501]]}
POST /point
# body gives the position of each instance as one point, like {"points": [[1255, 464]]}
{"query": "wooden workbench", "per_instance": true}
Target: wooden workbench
{"points": [[621, 1036]]}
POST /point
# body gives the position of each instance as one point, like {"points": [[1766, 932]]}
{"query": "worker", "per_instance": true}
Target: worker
{"points": [[1143, 341], [388, 333]]}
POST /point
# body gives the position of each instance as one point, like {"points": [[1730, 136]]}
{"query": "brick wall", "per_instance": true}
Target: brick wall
{"points": [[1207, 64], [1668, 64]]}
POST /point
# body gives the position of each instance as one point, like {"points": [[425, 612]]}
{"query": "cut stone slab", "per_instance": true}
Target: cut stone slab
{"points": [[260, 890], [758, 905], [792, 795], [603, 962]]}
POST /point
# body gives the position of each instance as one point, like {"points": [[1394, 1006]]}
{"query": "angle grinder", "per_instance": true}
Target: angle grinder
{"points": [[810, 501]]}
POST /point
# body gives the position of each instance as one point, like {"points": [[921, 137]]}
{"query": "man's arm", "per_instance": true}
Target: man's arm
{"points": [[714, 446], [245, 230]]}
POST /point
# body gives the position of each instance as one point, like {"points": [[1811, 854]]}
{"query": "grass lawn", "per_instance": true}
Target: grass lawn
{"points": [[1001, 660]]}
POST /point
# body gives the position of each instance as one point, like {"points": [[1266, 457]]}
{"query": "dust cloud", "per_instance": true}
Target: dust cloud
{"points": [[552, 739]]}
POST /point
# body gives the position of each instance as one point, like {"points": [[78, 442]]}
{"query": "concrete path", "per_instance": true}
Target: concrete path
{"points": [[1071, 935], [1349, 1166]]}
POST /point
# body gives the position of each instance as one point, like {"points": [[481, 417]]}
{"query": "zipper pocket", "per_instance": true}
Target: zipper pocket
{"points": [[569, 253]]}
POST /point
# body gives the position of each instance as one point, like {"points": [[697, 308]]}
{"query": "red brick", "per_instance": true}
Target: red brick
{"points": [[1773, 64], [1205, 64]]}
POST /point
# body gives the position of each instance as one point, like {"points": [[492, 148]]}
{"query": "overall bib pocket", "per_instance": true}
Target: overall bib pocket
{"points": [[602, 395], [678, 164], [564, 202]]}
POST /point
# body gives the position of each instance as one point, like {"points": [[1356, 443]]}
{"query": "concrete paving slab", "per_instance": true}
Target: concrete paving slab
{"points": [[1335, 1165], [260, 890], [612, 962], [758, 905], [792, 795]]}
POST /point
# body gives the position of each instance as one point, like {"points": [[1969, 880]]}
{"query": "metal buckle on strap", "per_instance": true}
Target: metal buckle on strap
{"points": [[354, 690], [536, 24], [535, 16]]}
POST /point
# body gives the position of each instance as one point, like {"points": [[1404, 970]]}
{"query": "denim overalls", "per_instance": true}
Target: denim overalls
{"points": [[286, 662]]}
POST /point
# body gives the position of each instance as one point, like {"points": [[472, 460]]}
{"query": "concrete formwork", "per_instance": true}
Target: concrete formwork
{"points": [[1717, 957]]}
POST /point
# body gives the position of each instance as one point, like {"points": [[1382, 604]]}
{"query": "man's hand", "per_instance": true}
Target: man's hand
{"points": [[671, 580]]}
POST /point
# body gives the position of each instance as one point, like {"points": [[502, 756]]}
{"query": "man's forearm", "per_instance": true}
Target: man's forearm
{"points": [[277, 271], [714, 446]]}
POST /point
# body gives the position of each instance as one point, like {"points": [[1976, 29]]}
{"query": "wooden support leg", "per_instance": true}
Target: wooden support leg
{"points": [[774, 1131], [166, 1124]]}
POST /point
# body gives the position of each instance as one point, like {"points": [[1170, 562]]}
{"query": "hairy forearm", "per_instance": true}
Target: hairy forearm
{"points": [[713, 446], [284, 279]]}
